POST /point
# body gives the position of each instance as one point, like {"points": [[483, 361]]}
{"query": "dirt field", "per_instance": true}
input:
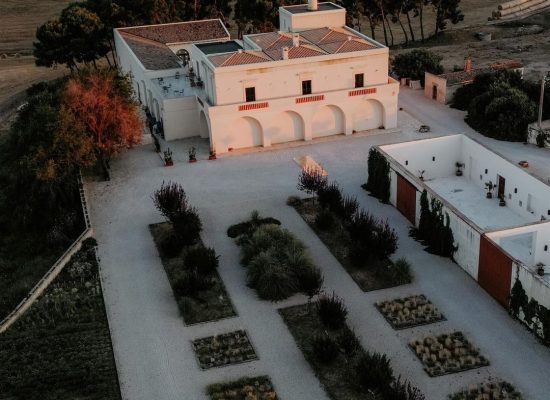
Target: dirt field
{"points": [[18, 22]]}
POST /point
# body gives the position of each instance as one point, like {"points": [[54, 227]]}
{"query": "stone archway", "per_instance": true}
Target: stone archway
{"points": [[287, 126], [244, 132], [369, 114], [204, 129], [327, 121]]}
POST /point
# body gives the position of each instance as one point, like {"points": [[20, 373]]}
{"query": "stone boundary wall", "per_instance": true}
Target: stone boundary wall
{"points": [[54, 271]]}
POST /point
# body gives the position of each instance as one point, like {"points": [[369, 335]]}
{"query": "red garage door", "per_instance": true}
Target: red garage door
{"points": [[406, 198], [495, 271]]}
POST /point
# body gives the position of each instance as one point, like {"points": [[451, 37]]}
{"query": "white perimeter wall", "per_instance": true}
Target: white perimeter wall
{"points": [[524, 194], [311, 20]]}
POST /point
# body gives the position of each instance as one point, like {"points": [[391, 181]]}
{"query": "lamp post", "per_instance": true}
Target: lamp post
{"points": [[545, 79]]}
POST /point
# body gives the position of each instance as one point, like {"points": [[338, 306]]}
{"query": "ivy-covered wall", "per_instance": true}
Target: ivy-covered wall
{"points": [[534, 315]]}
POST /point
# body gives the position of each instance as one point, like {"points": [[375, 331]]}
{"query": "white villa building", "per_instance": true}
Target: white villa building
{"points": [[315, 77]]}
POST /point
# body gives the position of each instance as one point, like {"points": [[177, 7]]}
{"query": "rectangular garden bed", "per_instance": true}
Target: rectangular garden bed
{"points": [[60, 348], [207, 305], [304, 323], [409, 311], [373, 276], [259, 388], [447, 354], [225, 349], [498, 390]]}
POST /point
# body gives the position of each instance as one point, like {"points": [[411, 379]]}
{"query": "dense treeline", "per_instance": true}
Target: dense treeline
{"points": [[70, 124], [83, 32]]}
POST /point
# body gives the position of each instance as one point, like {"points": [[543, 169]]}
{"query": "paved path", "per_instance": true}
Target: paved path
{"points": [[152, 345], [446, 120]]}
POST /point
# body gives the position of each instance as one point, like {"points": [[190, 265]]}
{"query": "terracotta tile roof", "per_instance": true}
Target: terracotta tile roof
{"points": [[153, 55], [238, 58], [181, 32], [346, 46], [295, 52], [265, 40], [315, 35], [335, 36]]}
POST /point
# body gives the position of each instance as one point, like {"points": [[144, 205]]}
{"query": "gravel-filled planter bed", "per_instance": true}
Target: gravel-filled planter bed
{"points": [[488, 390], [220, 350], [447, 354], [258, 388], [409, 311]]}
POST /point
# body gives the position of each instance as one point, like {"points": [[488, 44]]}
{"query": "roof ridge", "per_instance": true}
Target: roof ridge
{"points": [[147, 40]]}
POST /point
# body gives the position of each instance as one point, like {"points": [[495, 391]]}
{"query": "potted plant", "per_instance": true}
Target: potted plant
{"points": [[168, 158], [459, 167], [212, 155], [192, 154], [540, 269], [421, 174], [501, 201], [490, 187]]}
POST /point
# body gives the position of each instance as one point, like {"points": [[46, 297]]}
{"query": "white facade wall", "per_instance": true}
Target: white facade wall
{"points": [[534, 286], [283, 120], [289, 22]]}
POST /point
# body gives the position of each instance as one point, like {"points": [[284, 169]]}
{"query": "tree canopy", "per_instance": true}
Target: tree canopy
{"points": [[415, 63]]}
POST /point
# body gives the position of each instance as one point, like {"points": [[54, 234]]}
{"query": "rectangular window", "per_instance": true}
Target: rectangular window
{"points": [[306, 87], [359, 80], [250, 93]]}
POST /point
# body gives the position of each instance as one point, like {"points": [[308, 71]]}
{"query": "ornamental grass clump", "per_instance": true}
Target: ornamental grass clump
{"points": [[201, 259], [332, 311], [278, 265], [324, 348], [374, 372]]}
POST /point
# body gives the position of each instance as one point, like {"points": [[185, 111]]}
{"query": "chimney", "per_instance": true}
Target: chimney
{"points": [[468, 64], [285, 53], [312, 5], [295, 39]]}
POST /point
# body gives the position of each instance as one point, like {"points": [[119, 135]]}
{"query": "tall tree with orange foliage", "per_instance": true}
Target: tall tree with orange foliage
{"points": [[102, 102]]}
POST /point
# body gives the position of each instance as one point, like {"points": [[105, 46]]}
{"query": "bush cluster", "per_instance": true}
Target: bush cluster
{"points": [[196, 275], [370, 237], [332, 311], [248, 227], [501, 104], [278, 265], [378, 182], [173, 204]]}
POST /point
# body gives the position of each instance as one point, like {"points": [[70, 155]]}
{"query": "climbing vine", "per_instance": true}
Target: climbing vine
{"points": [[378, 183], [434, 228], [535, 316]]}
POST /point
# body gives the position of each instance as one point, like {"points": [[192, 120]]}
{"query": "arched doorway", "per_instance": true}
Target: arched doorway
{"points": [[244, 132], [327, 121], [286, 127], [204, 131], [369, 114]]}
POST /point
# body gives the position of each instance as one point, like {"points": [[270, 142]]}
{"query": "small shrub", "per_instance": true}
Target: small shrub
{"points": [[332, 311], [402, 391], [188, 226], [311, 180], [258, 265], [374, 372], [310, 281], [171, 246], [324, 348], [293, 201], [276, 283], [171, 200], [400, 271], [386, 240], [330, 197], [348, 208], [348, 342], [248, 227], [325, 220], [202, 259], [191, 283]]}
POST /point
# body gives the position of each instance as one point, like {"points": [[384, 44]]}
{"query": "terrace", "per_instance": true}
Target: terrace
{"points": [[177, 86]]}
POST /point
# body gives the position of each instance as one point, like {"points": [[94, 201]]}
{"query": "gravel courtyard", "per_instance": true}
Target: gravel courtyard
{"points": [[152, 345]]}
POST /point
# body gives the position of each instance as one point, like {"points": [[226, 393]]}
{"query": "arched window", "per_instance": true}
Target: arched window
{"points": [[183, 55]]}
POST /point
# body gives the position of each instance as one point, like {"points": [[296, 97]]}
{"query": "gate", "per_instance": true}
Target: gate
{"points": [[495, 270], [406, 199]]}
